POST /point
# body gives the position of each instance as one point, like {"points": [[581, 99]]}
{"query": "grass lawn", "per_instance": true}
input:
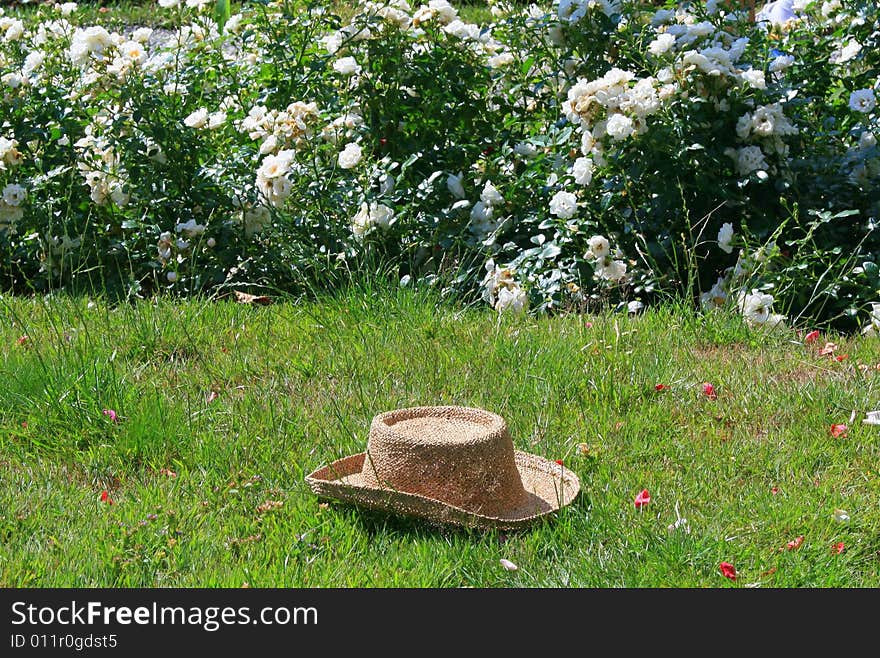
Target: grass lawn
{"points": [[222, 408]]}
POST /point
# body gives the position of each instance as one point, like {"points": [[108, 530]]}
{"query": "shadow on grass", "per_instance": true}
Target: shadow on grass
{"points": [[374, 523]]}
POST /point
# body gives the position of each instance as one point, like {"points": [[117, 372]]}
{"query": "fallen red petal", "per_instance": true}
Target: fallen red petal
{"points": [[643, 498], [841, 357], [728, 570], [660, 387], [838, 430], [709, 391], [828, 349], [105, 497], [559, 461], [838, 548], [774, 490], [795, 543], [812, 336]]}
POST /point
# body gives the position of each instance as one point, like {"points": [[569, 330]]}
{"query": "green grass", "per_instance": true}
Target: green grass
{"points": [[298, 383]]}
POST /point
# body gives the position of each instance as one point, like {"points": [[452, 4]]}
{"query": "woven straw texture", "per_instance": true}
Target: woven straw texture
{"points": [[450, 465]]}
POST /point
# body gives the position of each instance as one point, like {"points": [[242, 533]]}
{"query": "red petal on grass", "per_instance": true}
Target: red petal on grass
{"points": [[559, 461], [841, 357], [812, 337], [727, 570], [774, 490], [105, 497], [828, 349], [838, 548], [660, 387], [643, 498], [23, 339], [588, 324], [213, 395], [111, 415], [838, 430], [795, 543], [709, 391]]}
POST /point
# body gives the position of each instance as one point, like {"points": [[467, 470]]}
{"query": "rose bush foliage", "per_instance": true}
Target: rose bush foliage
{"points": [[561, 157]]}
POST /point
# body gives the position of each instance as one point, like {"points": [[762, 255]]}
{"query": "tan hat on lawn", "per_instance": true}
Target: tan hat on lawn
{"points": [[450, 465]]}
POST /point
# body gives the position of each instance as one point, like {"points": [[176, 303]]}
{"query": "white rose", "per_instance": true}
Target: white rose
{"points": [[619, 126], [582, 170], [614, 270], [133, 51], [755, 78], [216, 119], [490, 195], [755, 306], [563, 204], [347, 66], [13, 194], [368, 217], [12, 80], [846, 53], [191, 228], [511, 299], [748, 159], [142, 34], [725, 235], [32, 62], [197, 119], [599, 247], [862, 101], [453, 184], [15, 31], [503, 59], [781, 63], [350, 156], [588, 142], [661, 44]]}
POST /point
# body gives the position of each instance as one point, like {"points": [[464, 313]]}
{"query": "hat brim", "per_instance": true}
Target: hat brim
{"points": [[550, 486]]}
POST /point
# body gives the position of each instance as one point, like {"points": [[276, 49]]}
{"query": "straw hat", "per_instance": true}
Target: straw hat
{"points": [[450, 465]]}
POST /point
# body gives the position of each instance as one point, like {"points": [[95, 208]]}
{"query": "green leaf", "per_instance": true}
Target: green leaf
{"points": [[222, 12], [550, 251]]}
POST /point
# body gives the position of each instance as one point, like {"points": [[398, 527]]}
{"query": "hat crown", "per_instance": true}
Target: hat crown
{"points": [[459, 455]]}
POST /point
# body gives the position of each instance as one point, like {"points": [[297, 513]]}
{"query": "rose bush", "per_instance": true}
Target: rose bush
{"points": [[561, 157]]}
